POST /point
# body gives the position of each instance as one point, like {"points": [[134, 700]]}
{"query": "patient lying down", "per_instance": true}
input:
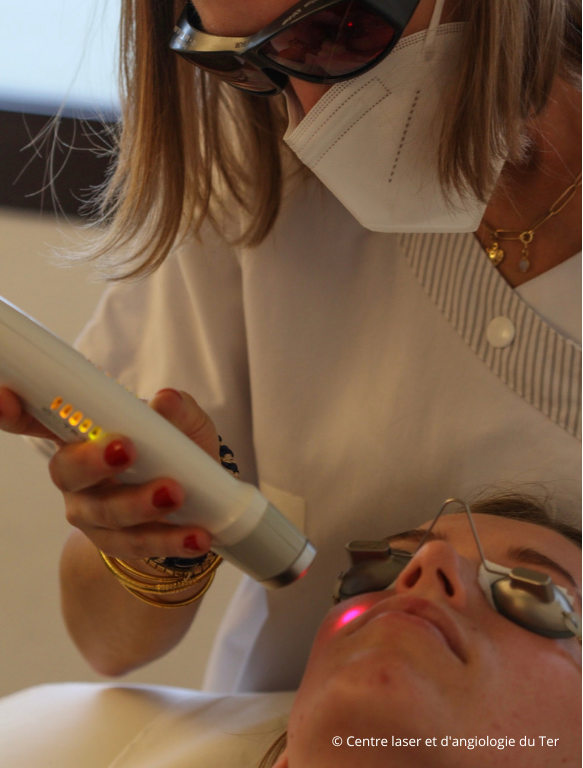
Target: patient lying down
{"points": [[455, 664]]}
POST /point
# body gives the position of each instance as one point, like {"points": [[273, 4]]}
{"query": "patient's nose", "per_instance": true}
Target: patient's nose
{"points": [[436, 572]]}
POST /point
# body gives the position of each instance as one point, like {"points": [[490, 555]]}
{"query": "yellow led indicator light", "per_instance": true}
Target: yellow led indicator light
{"points": [[85, 426], [57, 403], [95, 432], [75, 418], [66, 411]]}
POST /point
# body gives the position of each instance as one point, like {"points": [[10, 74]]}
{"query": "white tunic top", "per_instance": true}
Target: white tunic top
{"points": [[360, 380]]}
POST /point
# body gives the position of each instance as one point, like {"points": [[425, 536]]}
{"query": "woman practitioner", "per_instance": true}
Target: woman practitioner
{"points": [[386, 292], [424, 673]]}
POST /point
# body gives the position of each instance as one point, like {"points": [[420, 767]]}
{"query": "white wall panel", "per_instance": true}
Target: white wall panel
{"points": [[55, 51]]}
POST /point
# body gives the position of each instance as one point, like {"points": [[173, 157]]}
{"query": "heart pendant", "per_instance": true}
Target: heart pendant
{"points": [[495, 254]]}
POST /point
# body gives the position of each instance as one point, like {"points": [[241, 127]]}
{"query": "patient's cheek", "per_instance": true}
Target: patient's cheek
{"points": [[337, 623], [349, 615]]}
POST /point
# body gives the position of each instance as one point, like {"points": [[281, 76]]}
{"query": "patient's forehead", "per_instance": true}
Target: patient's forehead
{"points": [[499, 535]]}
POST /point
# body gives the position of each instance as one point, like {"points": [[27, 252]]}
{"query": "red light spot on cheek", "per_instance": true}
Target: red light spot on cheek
{"points": [[349, 615]]}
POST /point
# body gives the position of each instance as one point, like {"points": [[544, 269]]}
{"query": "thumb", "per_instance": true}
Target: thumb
{"points": [[182, 410], [13, 418]]}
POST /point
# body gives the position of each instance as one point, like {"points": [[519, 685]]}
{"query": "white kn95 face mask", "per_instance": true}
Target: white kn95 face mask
{"points": [[373, 141]]}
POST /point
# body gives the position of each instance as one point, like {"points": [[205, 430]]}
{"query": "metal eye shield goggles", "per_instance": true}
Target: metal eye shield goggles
{"points": [[526, 597]]}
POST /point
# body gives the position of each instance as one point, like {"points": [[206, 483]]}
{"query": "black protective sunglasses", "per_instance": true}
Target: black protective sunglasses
{"points": [[321, 41]]}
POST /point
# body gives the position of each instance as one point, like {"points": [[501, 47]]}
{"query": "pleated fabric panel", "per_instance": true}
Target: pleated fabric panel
{"points": [[540, 365]]}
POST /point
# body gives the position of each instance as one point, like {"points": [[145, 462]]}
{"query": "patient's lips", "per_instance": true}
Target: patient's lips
{"points": [[426, 610]]}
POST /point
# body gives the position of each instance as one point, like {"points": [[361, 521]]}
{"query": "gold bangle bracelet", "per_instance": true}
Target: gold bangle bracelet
{"points": [[159, 585], [202, 565], [209, 563], [145, 582], [119, 567], [178, 604], [122, 572], [173, 578]]}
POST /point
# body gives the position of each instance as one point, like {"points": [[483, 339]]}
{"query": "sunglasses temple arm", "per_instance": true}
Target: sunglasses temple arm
{"points": [[464, 504]]}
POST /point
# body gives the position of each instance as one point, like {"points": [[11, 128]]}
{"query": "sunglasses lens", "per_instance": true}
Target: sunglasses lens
{"points": [[331, 43], [233, 70]]}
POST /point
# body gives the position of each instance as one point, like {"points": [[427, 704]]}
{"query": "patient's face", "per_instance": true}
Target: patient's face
{"points": [[431, 658]]}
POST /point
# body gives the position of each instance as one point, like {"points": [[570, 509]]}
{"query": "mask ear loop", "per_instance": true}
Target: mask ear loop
{"points": [[432, 31]]}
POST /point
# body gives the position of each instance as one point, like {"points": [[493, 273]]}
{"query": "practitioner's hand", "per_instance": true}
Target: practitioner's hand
{"points": [[125, 521]]}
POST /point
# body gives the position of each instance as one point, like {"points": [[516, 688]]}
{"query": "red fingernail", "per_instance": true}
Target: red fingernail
{"points": [[191, 543], [162, 498], [115, 454]]}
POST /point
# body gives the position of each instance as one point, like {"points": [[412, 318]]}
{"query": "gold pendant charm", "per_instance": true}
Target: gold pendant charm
{"points": [[525, 238], [495, 254]]}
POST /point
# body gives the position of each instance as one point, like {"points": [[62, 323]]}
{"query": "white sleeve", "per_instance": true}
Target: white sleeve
{"points": [[182, 327]]}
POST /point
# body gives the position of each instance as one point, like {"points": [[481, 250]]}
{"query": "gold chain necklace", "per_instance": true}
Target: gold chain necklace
{"points": [[496, 254]]}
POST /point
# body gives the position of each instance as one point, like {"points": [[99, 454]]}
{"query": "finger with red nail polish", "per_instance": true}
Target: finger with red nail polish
{"points": [[115, 454], [163, 499]]}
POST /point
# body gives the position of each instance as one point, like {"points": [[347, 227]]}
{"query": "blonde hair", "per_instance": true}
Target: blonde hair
{"points": [[178, 159], [274, 752]]}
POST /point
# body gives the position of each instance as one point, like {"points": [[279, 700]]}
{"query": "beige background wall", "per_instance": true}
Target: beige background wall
{"points": [[34, 645]]}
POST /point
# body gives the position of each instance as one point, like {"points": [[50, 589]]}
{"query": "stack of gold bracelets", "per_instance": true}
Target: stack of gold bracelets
{"points": [[176, 574]]}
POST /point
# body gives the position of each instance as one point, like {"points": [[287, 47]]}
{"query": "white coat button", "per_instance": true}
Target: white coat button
{"points": [[501, 332]]}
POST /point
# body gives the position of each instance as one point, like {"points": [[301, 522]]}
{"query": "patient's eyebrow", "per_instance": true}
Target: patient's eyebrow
{"points": [[415, 536]]}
